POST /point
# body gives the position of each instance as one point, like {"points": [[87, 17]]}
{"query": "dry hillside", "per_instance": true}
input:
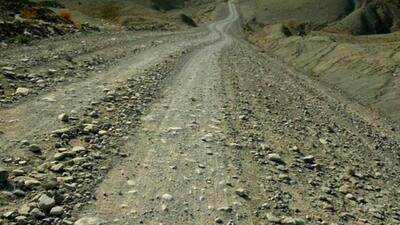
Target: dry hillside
{"points": [[140, 14], [356, 53]]}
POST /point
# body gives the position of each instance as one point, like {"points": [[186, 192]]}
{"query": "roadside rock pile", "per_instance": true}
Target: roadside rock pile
{"points": [[22, 22], [153, 27]]}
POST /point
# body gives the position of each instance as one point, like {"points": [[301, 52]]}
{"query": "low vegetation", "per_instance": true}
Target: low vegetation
{"points": [[65, 14], [188, 20], [109, 12], [168, 5], [28, 13], [21, 38]]}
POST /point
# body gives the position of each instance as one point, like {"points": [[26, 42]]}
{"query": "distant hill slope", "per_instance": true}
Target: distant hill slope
{"points": [[271, 11], [351, 16], [371, 17], [133, 12], [351, 46]]}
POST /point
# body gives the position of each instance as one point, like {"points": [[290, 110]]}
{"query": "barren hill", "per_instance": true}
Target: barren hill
{"points": [[349, 46]]}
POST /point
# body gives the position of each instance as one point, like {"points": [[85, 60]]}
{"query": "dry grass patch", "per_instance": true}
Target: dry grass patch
{"points": [[65, 13], [109, 12], [28, 13]]}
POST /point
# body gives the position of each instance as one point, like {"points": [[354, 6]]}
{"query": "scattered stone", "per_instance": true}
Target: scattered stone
{"points": [[164, 208], [102, 132], [292, 221], [57, 211], [226, 209], [272, 218], [323, 141], [35, 148], [3, 175], [174, 129], [62, 155], [219, 220], [7, 68], [19, 193], [201, 166], [274, 157], [131, 182], [309, 159], [167, 197], [18, 172], [51, 71], [242, 193], [62, 131], [49, 99], [90, 221], [63, 117], [22, 91], [208, 137], [21, 220], [78, 149], [24, 210], [37, 213], [59, 167], [9, 74], [8, 214], [45, 202], [30, 183]]}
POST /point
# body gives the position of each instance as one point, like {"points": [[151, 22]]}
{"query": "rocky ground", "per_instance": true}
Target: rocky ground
{"points": [[325, 164], [48, 144], [190, 127]]}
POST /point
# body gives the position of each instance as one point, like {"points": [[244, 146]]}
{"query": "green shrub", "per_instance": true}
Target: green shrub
{"points": [[20, 38]]}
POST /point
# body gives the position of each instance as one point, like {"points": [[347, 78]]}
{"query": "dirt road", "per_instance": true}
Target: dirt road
{"points": [[197, 127]]}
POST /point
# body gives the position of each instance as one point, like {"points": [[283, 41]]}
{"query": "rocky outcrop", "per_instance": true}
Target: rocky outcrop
{"points": [[370, 17]]}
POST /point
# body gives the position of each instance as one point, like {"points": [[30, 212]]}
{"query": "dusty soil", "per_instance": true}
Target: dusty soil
{"points": [[191, 127]]}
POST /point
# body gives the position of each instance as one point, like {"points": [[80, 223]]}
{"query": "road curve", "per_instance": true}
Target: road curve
{"points": [[179, 167]]}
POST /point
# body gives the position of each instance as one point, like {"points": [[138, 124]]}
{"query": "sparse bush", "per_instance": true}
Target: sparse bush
{"points": [[22, 1], [64, 13], [168, 5], [20, 38], [51, 3], [188, 20], [28, 13], [109, 12]]}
